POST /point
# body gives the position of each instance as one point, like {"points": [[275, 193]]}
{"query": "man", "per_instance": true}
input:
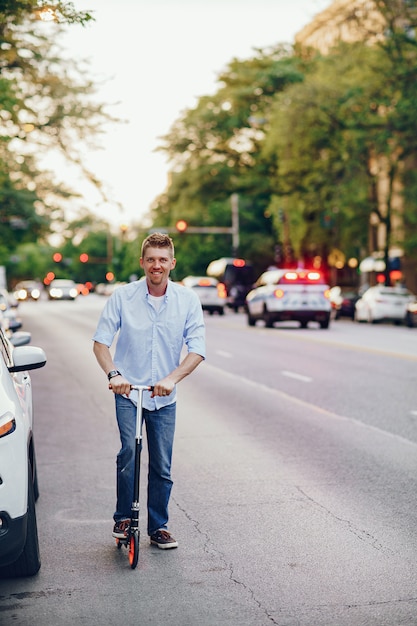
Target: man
{"points": [[154, 318]]}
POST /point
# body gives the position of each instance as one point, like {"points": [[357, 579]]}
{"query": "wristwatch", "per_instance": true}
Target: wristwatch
{"points": [[113, 373]]}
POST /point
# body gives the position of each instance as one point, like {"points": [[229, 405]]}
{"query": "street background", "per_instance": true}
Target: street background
{"points": [[294, 499]]}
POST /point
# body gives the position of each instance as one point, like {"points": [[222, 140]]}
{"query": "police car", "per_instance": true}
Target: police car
{"points": [[289, 295]]}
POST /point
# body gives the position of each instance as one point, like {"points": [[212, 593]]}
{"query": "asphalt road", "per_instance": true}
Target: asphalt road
{"points": [[294, 497]]}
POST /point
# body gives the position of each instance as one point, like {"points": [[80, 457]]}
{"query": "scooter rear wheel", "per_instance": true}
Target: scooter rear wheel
{"points": [[133, 550]]}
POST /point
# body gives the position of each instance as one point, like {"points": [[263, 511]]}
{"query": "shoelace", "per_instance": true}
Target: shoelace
{"points": [[164, 534]]}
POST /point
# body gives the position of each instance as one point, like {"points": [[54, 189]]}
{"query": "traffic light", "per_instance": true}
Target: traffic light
{"points": [[181, 226], [57, 257], [83, 257]]}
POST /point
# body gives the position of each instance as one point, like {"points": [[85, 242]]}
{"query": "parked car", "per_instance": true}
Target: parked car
{"points": [[19, 548], [10, 319], [382, 302], [343, 300], [237, 275], [7, 300], [62, 289], [212, 294], [28, 290], [280, 295]]}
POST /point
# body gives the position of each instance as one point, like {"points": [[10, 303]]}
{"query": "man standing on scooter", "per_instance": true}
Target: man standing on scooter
{"points": [[153, 318]]}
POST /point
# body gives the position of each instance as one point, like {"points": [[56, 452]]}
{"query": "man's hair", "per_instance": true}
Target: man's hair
{"points": [[158, 240]]}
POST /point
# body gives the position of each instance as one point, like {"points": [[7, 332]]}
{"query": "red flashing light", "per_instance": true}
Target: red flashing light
{"points": [[204, 282], [84, 257], [109, 276], [395, 275], [57, 257], [278, 293], [239, 263]]}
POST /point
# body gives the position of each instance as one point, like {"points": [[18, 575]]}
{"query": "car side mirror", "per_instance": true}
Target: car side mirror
{"points": [[27, 358]]}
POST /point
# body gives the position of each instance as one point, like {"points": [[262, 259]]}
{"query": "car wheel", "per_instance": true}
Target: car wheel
{"points": [[29, 562], [35, 476], [251, 320], [409, 320], [221, 311], [324, 324], [268, 319], [303, 324]]}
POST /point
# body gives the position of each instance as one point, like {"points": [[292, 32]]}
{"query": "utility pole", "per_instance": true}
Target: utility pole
{"points": [[235, 222]]}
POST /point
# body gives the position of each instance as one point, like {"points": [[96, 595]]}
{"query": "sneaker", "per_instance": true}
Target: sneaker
{"points": [[163, 539], [121, 528]]}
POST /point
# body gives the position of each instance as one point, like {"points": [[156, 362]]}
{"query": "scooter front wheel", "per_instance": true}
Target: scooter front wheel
{"points": [[133, 550]]}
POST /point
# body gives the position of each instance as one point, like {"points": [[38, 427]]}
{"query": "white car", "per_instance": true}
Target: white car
{"points": [[62, 289], [212, 294], [28, 290], [19, 548], [296, 295], [384, 303]]}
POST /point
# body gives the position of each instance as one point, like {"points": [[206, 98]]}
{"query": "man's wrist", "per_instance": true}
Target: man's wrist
{"points": [[113, 373]]}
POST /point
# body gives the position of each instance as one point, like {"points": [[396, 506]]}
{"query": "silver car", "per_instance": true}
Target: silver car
{"points": [[289, 295], [211, 293]]}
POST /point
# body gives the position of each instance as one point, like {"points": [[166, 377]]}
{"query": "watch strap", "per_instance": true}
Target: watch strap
{"points": [[113, 373]]}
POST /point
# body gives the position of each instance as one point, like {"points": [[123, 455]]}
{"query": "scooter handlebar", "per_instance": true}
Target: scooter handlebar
{"points": [[143, 387]]}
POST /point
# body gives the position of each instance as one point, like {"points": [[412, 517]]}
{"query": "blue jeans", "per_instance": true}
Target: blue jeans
{"points": [[160, 428]]}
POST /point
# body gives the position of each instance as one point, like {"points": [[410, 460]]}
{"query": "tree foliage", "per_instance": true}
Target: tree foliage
{"points": [[305, 140], [47, 112]]}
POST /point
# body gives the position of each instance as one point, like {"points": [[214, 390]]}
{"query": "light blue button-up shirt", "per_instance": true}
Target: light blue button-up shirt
{"points": [[150, 342]]}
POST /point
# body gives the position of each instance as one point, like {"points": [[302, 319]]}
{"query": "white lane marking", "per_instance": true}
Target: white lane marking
{"points": [[226, 355], [305, 404], [304, 379]]}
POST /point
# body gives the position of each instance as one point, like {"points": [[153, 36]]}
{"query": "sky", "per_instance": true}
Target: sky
{"points": [[152, 60]]}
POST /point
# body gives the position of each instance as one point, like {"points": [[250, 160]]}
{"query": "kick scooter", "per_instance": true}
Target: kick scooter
{"points": [[131, 541]]}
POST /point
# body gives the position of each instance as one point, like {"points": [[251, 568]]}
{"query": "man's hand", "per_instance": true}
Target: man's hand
{"points": [[163, 387], [120, 385]]}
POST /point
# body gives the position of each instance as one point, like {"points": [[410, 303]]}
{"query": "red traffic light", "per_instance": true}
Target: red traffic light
{"points": [[83, 257], [181, 226]]}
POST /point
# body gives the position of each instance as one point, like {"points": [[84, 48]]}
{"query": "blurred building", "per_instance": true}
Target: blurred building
{"points": [[343, 20]]}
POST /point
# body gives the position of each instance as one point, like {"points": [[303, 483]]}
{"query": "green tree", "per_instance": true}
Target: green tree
{"points": [[215, 152], [47, 107]]}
